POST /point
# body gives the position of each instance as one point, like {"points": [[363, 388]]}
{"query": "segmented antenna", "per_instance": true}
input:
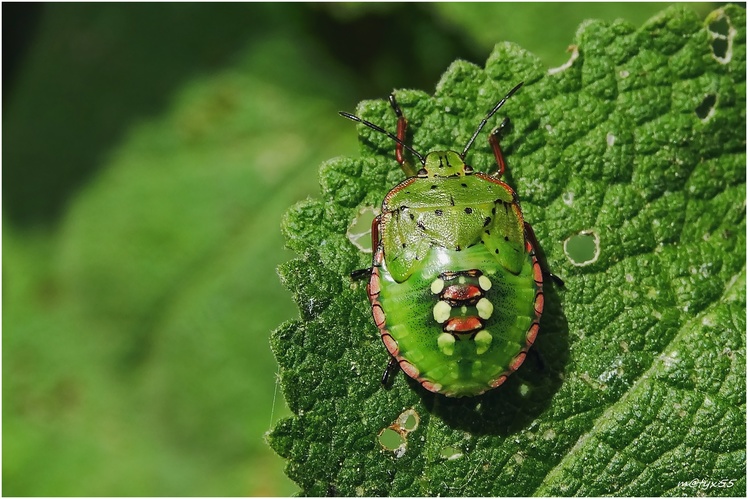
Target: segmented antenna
{"points": [[488, 117], [353, 117]]}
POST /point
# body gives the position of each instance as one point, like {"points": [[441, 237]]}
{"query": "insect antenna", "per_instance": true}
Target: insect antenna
{"points": [[488, 117], [353, 117]]}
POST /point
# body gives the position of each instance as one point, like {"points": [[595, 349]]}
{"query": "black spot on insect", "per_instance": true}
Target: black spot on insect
{"points": [[488, 232], [458, 248], [403, 245], [486, 221], [506, 238], [468, 210], [438, 212], [434, 186], [420, 225], [403, 208], [451, 200], [412, 216], [464, 185], [493, 211], [496, 251]]}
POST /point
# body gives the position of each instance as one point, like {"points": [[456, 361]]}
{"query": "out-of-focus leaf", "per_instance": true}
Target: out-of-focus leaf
{"points": [[542, 28], [165, 285]]}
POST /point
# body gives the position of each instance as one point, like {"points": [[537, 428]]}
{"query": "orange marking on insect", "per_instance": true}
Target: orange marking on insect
{"points": [[518, 360], [463, 324], [538, 273], [409, 369], [498, 382], [374, 286], [532, 333], [378, 313], [430, 386], [390, 343], [539, 302], [458, 292]]}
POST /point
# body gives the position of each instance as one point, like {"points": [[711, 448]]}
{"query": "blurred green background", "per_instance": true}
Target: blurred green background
{"points": [[149, 152]]}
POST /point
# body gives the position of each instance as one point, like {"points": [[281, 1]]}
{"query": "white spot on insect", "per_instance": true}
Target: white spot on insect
{"points": [[485, 308], [484, 283], [574, 56], [567, 198], [446, 343], [482, 342], [442, 311], [461, 280], [610, 139], [463, 309], [437, 286]]}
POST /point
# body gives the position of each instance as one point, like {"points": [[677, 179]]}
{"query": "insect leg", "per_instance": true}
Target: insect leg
{"points": [[389, 372], [359, 274], [402, 127], [494, 139], [530, 234]]}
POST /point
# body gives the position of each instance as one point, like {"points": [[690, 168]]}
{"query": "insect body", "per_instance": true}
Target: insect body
{"points": [[455, 287]]}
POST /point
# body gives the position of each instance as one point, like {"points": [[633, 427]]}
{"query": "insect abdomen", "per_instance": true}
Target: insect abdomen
{"points": [[461, 322]]}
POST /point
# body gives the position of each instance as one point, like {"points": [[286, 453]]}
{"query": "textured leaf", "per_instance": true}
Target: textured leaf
{"points": [[635, 147]]}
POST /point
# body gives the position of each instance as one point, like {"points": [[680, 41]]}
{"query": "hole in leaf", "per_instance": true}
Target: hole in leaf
{"points": [[583, 248], [408, 420], [359, 230], [705, 110], [391, 440], [450, 453], [722, 33]]}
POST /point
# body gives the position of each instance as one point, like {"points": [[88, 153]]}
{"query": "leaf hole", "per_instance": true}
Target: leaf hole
{"points": [[391, 439], [583, 248], [450, 453], [705, 110], [722, 33], [359, 230], [408, 420]]}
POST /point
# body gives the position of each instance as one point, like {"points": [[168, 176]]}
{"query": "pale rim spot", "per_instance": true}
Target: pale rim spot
{"points": [[595, 256]]}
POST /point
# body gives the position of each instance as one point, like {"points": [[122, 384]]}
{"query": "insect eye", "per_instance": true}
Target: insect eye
{"points": [[423, 173], [468, 169]]}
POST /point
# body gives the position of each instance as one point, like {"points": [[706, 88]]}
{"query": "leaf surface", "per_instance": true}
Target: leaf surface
{"points": [[636, 146]]}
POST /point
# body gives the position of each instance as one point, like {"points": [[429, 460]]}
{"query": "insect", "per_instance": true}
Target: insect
{"points": [[455, 286]]}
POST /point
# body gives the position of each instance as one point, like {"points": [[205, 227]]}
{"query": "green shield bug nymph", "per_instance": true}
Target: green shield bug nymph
{"points": [[455, 286]]}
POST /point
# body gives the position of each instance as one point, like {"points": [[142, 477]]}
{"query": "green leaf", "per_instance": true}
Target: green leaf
{"points": [[638, 145]]}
